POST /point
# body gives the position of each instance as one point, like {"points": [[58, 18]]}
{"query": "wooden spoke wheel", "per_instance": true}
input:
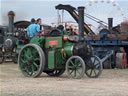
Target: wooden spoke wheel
{"points": [[75, 67], [94, 67], [56, 73], [31, 60]]}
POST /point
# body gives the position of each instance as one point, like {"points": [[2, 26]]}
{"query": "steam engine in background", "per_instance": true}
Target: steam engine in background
{"points": [[13, 32], [8, 37]]}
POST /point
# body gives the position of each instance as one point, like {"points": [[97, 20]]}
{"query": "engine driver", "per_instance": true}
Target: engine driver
{"points": [[34, 29]]}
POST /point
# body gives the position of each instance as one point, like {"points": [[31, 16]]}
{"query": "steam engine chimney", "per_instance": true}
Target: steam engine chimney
{"points": [[81, 22], [110, 23], [11, 15]]}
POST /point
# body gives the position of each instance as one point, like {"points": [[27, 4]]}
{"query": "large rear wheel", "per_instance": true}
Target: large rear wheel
{"points": [[31, 60]]}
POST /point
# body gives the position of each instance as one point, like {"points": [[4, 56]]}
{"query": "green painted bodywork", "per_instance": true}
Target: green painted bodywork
{"points": [[55, 57], [51, 59], [38, 41], [60, 61], [68, 49]]}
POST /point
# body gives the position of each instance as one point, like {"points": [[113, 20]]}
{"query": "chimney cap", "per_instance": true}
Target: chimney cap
{"points": [[11, 13], [81, 7]]}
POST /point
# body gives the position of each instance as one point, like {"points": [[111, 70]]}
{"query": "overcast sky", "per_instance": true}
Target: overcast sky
{"points": [[45, 9]]}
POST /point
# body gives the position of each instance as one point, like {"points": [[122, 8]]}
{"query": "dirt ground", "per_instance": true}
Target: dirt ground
{"points": [[112, 82]]}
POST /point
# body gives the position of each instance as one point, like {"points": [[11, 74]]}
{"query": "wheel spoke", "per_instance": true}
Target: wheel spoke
{"points": [[36, 59], [78, 72], [26, 55], [74, 73], [91, 72], [22, 60], [94, 61], [72, 63], [97, 64], [79, 67], [31, 73], [28, 51], [70, 72], [35, 65], [23, 63], [32, 69], [94, 72], [70, 67]]}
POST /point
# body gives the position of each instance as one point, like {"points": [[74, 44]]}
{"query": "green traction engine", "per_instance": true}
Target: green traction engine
{"points": [[57, 52]]}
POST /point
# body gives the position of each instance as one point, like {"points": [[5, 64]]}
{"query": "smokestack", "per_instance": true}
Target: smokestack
{"points": [[110, 23], [11, 15], [81, 21]]}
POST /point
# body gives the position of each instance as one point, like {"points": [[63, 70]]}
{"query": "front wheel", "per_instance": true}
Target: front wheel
{"points": [[94, 67], [75, 67]]}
